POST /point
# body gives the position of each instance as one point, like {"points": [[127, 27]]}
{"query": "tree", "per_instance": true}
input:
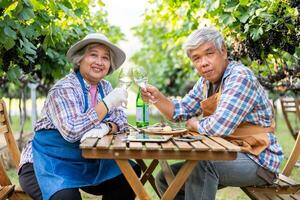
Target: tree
{"points": [[35, 36], [263, 34]]}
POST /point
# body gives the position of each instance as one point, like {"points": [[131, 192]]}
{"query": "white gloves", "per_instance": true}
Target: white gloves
{"points": [[116, 98], [96, 132]]}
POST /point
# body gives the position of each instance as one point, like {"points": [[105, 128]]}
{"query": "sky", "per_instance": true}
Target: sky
{"points": [[126, 14]]}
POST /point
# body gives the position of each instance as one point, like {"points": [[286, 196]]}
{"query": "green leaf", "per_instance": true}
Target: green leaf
{"points": [[26, 14], [230, 6], [244, 17], [212, 5], [259, 11], [227, 19], [9, 43], [5, 3], [14, 73], [244, 2], [256, 33], [9, 32], [78, 12], [27, 3], [37, 5]]}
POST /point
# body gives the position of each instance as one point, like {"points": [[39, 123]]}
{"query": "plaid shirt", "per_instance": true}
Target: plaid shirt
{"points": [[64, 110], [243, 99]]}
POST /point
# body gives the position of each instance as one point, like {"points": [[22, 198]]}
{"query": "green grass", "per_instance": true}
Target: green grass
{"points": [[282, 133]]}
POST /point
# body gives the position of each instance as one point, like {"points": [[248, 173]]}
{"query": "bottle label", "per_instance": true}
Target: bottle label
{"points": [[139, 114], [142, 116], [146, 114]]}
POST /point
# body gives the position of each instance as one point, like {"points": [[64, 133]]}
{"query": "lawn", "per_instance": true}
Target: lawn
{"points": [[282, 133]]}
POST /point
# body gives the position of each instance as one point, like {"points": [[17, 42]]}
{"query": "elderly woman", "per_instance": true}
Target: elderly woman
{"points": [[80, 105]]}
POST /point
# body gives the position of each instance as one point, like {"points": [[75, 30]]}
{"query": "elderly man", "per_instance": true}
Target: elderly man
{"points": [[234, 106]]}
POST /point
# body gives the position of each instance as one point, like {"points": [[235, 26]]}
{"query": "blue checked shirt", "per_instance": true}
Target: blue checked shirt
{"points": [[64, 110], [243, 99]]}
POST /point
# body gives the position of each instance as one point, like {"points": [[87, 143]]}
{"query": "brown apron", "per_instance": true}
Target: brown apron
{"points": [[251, 138]]}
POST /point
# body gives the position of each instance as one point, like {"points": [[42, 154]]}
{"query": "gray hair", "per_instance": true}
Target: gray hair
{"points": [[78, 56], [201, 36]]}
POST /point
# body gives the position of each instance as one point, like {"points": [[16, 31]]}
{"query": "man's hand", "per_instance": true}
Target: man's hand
{"points": [[150, 94], [116, 98], [96, 132], [192, 124]]}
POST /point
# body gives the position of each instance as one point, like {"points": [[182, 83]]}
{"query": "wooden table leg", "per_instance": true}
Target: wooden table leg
{"points": [[147, 173], [167, 171], [179, 180], [133, 180]]}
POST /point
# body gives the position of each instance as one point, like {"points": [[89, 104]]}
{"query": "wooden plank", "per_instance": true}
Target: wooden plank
{"points": [[199, 146], [212, 144], [152, 146], [147, 173], [292, 158], [6, 191], [179, 179], [118, 142], [183, 146], [133, 180], [88, 143], [167, 171], [296, 196], [288, 180], [259, 195], [104, 142], [274, 196], [1, 106], [3, 129], [228, 145], [135, 145], [168, 146], [285, 197], [161, 154]]}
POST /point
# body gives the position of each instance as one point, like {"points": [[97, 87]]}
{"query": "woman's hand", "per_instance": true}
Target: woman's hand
{"points": [[116, 98], [192, 124]]}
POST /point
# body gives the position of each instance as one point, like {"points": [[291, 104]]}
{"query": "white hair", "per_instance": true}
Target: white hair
{"points": [[201, 36]]}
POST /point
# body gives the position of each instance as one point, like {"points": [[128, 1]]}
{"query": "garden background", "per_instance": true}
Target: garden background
{"points": [[35, 35]]}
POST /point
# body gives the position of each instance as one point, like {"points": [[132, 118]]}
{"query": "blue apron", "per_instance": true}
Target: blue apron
{"points": [[58, 164]]}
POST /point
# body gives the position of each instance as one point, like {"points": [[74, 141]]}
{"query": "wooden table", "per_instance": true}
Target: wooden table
{"points": [[114, 147]]}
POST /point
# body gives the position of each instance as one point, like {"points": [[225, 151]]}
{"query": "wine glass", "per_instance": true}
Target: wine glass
{"points": [[140, 77], [125, 78]]}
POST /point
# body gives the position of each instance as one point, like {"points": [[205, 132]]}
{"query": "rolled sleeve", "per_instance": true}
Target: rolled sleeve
{"points": [[189, 106]]}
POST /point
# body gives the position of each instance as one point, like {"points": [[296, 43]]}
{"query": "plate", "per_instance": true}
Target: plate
{"points": [[174, 131]]}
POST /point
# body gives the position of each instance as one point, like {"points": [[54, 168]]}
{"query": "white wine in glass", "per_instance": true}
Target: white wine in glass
{"points": [[140, 76], [141, 79], [125, 78]]}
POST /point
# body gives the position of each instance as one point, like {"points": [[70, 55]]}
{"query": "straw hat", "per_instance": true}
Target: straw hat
{"points": [[118, 56]]}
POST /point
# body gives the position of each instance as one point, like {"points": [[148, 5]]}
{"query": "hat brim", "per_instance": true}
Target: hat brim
{"points": [[118, 57]]}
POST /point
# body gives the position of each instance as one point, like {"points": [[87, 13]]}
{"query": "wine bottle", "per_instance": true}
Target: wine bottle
{"points": [[142, 111]]}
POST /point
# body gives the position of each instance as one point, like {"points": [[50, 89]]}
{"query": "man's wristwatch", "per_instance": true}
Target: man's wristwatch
{"points": [[110, 126]]}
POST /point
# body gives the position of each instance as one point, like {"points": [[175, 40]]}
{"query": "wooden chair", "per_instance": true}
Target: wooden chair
{"points": [[8, 190], [291, 107], [284, 187]]}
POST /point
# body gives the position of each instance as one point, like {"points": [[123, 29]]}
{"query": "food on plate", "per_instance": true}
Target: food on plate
{"points": [[167, 128], [154, 128]]}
